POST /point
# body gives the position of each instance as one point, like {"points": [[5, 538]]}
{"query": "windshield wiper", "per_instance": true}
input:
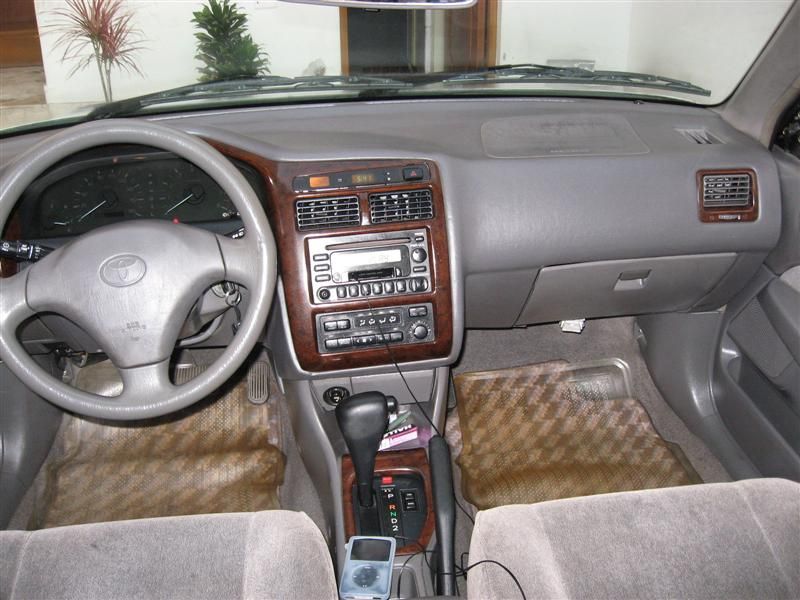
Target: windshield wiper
{"points": [[246, 87], [549, 74]]}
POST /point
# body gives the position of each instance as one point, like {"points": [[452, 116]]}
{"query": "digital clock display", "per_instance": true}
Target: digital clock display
{"points": [[364, 178]]}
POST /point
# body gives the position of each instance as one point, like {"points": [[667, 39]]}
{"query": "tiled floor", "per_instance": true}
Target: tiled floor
{"points": [[22, 98]]}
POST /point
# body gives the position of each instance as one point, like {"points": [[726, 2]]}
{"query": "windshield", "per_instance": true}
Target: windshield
{"points": [[75, 59]]}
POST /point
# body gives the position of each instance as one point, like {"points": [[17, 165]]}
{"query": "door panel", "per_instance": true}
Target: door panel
{"points": [[760, 348]]}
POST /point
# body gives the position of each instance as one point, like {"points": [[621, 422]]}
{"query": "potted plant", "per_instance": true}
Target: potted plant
{"points": [[224, 47], [99, 31]]}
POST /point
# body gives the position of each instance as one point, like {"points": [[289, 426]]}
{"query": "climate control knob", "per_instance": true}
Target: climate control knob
{"points": [[419, 331]]}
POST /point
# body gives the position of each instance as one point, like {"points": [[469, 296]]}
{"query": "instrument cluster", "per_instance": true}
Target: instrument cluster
{"points": [[82, 195]]}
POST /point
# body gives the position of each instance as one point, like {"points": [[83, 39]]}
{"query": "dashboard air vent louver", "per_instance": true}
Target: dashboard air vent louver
{"points": [[699, 136], [327, 213], [728, 190], [409, 205]]}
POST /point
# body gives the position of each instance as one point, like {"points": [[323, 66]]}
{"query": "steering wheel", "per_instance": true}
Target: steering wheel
{"points": [[131, 285]]}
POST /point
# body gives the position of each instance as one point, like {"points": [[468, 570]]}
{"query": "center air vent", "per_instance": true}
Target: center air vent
{"points": [[327, 213], [410, 205], [728, 195]]}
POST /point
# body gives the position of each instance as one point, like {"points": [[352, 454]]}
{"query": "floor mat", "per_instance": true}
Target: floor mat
{"points": [[220, 455], [558, 430]]}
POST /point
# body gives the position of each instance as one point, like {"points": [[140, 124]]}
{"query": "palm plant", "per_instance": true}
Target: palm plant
{"points": [[223, 44], [99, 31]]}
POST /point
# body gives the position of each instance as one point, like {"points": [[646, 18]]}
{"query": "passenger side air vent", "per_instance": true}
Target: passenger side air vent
{"points": [[728, 195], [699, 136], [410, 205], [327, 213]]}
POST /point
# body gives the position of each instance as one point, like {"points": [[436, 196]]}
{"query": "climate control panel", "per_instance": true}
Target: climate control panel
{"points": [[366, 329]]}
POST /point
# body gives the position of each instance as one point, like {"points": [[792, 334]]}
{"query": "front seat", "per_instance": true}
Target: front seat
{"points": [[728, 540], [270, 554]]}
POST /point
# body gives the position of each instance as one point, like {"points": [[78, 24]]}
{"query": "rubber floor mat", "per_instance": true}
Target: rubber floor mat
{"points": [[558, 430], [215, 456]]}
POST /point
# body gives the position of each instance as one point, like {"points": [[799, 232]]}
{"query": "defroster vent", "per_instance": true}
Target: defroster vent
{"points": [[410, 205], [327, 213]]}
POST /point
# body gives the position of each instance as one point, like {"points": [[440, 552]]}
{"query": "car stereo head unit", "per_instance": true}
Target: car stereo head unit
{"points": [[375, 264]]}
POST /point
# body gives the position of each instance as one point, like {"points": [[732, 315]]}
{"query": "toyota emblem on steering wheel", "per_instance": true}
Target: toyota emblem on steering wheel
{"points": [[122, 271]]}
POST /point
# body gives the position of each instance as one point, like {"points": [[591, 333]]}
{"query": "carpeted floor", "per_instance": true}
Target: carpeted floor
{"points": [[556, 430], [220, 455]]}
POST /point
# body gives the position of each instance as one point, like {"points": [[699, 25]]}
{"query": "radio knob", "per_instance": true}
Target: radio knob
{"points": [[324, 294], [419, 331], [418, 255]]}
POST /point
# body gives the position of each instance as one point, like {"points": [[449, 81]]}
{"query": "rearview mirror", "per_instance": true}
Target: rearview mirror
{"points": [[392, 4]]}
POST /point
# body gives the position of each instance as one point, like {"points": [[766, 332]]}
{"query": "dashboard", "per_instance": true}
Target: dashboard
{"points": [[619, 214]]}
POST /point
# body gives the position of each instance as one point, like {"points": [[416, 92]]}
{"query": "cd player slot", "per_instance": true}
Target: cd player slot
{"points": [[368, 244]]}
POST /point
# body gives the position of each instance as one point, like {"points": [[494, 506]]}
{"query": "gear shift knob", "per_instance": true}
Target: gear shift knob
{"points": [[363, 419]]}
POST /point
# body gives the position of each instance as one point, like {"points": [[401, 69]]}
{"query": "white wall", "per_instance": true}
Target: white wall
{"points": [[540, 30], [713, 57], [167, 59], [725, 36]]}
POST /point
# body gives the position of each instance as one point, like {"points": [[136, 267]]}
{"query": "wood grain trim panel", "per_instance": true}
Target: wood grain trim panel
{"points": [[727, 215], [391, 463], [293, 249]]}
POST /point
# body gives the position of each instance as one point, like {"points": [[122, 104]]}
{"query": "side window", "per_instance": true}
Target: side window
{"points": [[789, 135]]}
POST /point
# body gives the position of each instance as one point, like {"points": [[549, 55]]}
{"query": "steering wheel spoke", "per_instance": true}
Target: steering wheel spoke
{"points": [[14, 307], [145, 385], [240, 259]]}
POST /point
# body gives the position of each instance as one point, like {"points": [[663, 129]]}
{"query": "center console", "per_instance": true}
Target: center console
{"points": [[365, 268], [364, 260]]}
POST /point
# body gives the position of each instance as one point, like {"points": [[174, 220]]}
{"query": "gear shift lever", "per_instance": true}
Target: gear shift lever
{"points": [[363, 419]]}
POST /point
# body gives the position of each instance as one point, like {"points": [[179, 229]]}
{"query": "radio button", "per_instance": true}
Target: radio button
{"points": [[420, 269], [419, 238], [319, 257], [418, 255], [365, 289], [388, 286], [401, 286], [418, 284], [377, 288], [352, 290], [341, 291], [322, 278], [413, 173], [319, 268], [329, 326]]}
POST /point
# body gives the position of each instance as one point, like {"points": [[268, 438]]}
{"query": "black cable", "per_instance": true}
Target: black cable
{"points": [[502, 566], [402, 376], [464, 510]]}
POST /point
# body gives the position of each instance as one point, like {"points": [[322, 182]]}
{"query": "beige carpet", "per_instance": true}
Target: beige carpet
{"points": [[213, 457], [554, 430]]}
